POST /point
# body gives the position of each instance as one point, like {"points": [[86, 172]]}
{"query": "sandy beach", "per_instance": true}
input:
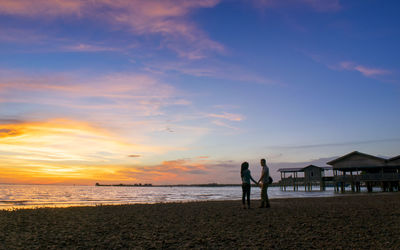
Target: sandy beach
{"points": [[361, 222]]}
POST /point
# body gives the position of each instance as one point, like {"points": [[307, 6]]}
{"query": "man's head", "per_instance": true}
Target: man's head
{"points": [[263, 162]]}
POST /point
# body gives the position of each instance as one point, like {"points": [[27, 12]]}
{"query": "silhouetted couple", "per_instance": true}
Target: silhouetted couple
{"points": [[263, 182]]}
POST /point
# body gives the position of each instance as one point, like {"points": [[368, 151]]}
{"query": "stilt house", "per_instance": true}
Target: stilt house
{"points": [[357, 168], [310, 176]]}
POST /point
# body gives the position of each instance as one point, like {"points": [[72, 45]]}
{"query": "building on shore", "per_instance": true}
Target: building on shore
{"points": [[356, 169], [308, 177], [353, 170]]}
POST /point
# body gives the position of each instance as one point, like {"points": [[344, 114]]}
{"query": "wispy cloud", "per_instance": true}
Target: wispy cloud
{"points": [[336, 144], [224, 124], [82, 47], [212, 69], [323, 5], [167, 19], [228, 116], [15, 35], [366, 71], [134, 156], [316, 5], [135, 92], [223, 118]]}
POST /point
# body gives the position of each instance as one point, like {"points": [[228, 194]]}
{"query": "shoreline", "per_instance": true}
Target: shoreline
{"points": [[351, 221], [71, 205]]}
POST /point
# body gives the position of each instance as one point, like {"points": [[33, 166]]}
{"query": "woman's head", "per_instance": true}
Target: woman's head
{"points": [[245, 165]]}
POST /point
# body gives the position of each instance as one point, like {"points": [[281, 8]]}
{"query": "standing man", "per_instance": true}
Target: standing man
{"points": [[264, 179]]}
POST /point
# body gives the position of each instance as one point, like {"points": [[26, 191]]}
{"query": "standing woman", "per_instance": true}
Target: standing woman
{"points": [[246, 177]]}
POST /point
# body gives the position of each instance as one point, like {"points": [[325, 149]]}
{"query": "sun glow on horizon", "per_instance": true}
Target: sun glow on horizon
{"points": [[64, 149]]}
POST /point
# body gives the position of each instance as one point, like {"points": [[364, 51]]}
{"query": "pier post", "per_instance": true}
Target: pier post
{"points": [[294, 181], [369, 186], [343, 183], [284, 185], [352, 182]]}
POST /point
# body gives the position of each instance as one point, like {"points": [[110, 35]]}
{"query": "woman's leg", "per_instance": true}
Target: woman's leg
{"points": [[243, 193], [248, 195]]}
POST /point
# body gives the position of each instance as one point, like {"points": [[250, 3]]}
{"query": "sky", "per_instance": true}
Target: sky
{"points": [[184, 91]]}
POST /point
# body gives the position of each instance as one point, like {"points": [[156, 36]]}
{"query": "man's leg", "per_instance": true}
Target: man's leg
{"points": [[266, 196], [263, 191]]}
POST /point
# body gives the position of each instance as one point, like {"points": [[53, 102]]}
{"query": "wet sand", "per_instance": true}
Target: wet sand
{"points": [[361, 222]]}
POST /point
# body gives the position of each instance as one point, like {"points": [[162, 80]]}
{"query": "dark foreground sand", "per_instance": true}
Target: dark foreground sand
{"points": [[361, 222]]}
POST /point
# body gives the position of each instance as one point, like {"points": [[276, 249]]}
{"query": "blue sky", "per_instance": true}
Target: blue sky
{"points": [[184, 91]]}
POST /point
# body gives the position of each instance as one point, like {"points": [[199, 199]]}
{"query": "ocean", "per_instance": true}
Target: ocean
{"points": [[33, 196]]}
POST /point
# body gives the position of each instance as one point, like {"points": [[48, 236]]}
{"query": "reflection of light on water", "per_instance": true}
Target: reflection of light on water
{"points": [[33, 196]]}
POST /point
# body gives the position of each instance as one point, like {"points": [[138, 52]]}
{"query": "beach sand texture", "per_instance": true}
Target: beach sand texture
{"points": [[361, 222]]}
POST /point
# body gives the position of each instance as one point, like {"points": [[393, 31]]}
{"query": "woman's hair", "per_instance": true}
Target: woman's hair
{"points": [[245, 165]]}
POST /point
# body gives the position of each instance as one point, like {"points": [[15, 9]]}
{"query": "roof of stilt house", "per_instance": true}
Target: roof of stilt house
{"points": [[292, 170], [394, 158], [394, 161], [353, 161], [352, 154], [357, 161]]}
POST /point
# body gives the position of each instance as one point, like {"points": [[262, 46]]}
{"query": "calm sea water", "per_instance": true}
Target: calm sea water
{"points": [[28, 196]]}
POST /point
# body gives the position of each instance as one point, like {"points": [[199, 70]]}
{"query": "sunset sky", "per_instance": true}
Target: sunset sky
{"points": [[183, 91]]}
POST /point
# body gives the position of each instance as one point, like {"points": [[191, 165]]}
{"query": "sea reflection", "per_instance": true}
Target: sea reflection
{"points": [[32, 196]]}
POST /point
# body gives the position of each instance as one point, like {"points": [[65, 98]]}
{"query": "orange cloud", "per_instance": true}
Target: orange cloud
{"points": [[168, 172], [166, 18]]}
